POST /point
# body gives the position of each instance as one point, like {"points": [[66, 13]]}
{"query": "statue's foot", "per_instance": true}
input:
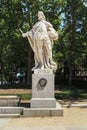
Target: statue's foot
{"points": [[34, 68], [50, 66], [46, 66], [52, 63], [42, 67], [54, 67]]}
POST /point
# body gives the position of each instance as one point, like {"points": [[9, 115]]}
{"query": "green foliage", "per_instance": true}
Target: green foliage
{"points": [[72, 46], [15, 51], [69, 18], [15, 86]]}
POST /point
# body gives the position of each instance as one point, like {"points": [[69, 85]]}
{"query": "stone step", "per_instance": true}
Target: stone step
{"points": [[11, 110], [9, 115], [75, 105], [13, 100]]}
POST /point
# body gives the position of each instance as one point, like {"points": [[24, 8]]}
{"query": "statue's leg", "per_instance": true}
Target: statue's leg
{"points": [[49, 59], [48, 49], [40, 54], [36, 63]]}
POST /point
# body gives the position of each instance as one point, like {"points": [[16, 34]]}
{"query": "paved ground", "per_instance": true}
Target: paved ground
{"points": [[73, 119]]}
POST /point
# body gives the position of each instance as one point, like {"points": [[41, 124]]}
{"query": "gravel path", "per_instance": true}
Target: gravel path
{"points": [[14, 91]]}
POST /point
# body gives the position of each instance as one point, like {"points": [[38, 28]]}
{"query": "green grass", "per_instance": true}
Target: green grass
{"points": [[65, 92], [71, 95], [62, 95], [24, 96]]}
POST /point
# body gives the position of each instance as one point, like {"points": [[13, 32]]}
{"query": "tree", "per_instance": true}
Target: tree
{"points": [[11, 20], [72, 43], [65, 16]]}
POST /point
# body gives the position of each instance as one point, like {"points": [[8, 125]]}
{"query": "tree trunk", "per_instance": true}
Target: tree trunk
{"points": [[29, 67], [1, 79], [1, 75], [70, 75]]}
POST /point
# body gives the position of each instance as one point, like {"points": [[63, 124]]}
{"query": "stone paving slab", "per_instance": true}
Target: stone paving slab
{"points": [[45, 128], [3, 123], [36, 128], [76, 128]]}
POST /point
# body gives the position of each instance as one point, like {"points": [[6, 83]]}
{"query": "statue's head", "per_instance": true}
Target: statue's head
{"points": [[41, 15]]}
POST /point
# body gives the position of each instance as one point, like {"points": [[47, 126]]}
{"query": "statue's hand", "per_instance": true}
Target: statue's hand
{"points": [[24, 35]]}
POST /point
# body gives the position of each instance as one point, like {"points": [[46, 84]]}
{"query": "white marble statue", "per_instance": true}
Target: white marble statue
{"points": [[41, 38]]}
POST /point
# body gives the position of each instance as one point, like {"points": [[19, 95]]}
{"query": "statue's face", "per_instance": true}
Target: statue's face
{"points": [[41, 15]]}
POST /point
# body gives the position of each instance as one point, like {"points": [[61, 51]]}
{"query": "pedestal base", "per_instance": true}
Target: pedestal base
{"points": [[42, 112], [43, 103]]}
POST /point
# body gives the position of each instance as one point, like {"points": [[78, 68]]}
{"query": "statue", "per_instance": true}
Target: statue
{"points": [[41, 38]]}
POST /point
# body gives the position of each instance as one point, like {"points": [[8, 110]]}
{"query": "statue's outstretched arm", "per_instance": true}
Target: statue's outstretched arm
{"points": [[23, 34]]}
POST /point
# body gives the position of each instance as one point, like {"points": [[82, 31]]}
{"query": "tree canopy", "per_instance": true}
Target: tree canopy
{"points": [[69, 18]]}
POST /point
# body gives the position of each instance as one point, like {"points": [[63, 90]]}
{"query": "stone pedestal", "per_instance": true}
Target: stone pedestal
{"points": [[43, 90], [43, 102]]}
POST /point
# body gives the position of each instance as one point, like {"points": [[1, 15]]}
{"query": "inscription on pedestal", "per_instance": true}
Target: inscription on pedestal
{"points": [[44, 71]]}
